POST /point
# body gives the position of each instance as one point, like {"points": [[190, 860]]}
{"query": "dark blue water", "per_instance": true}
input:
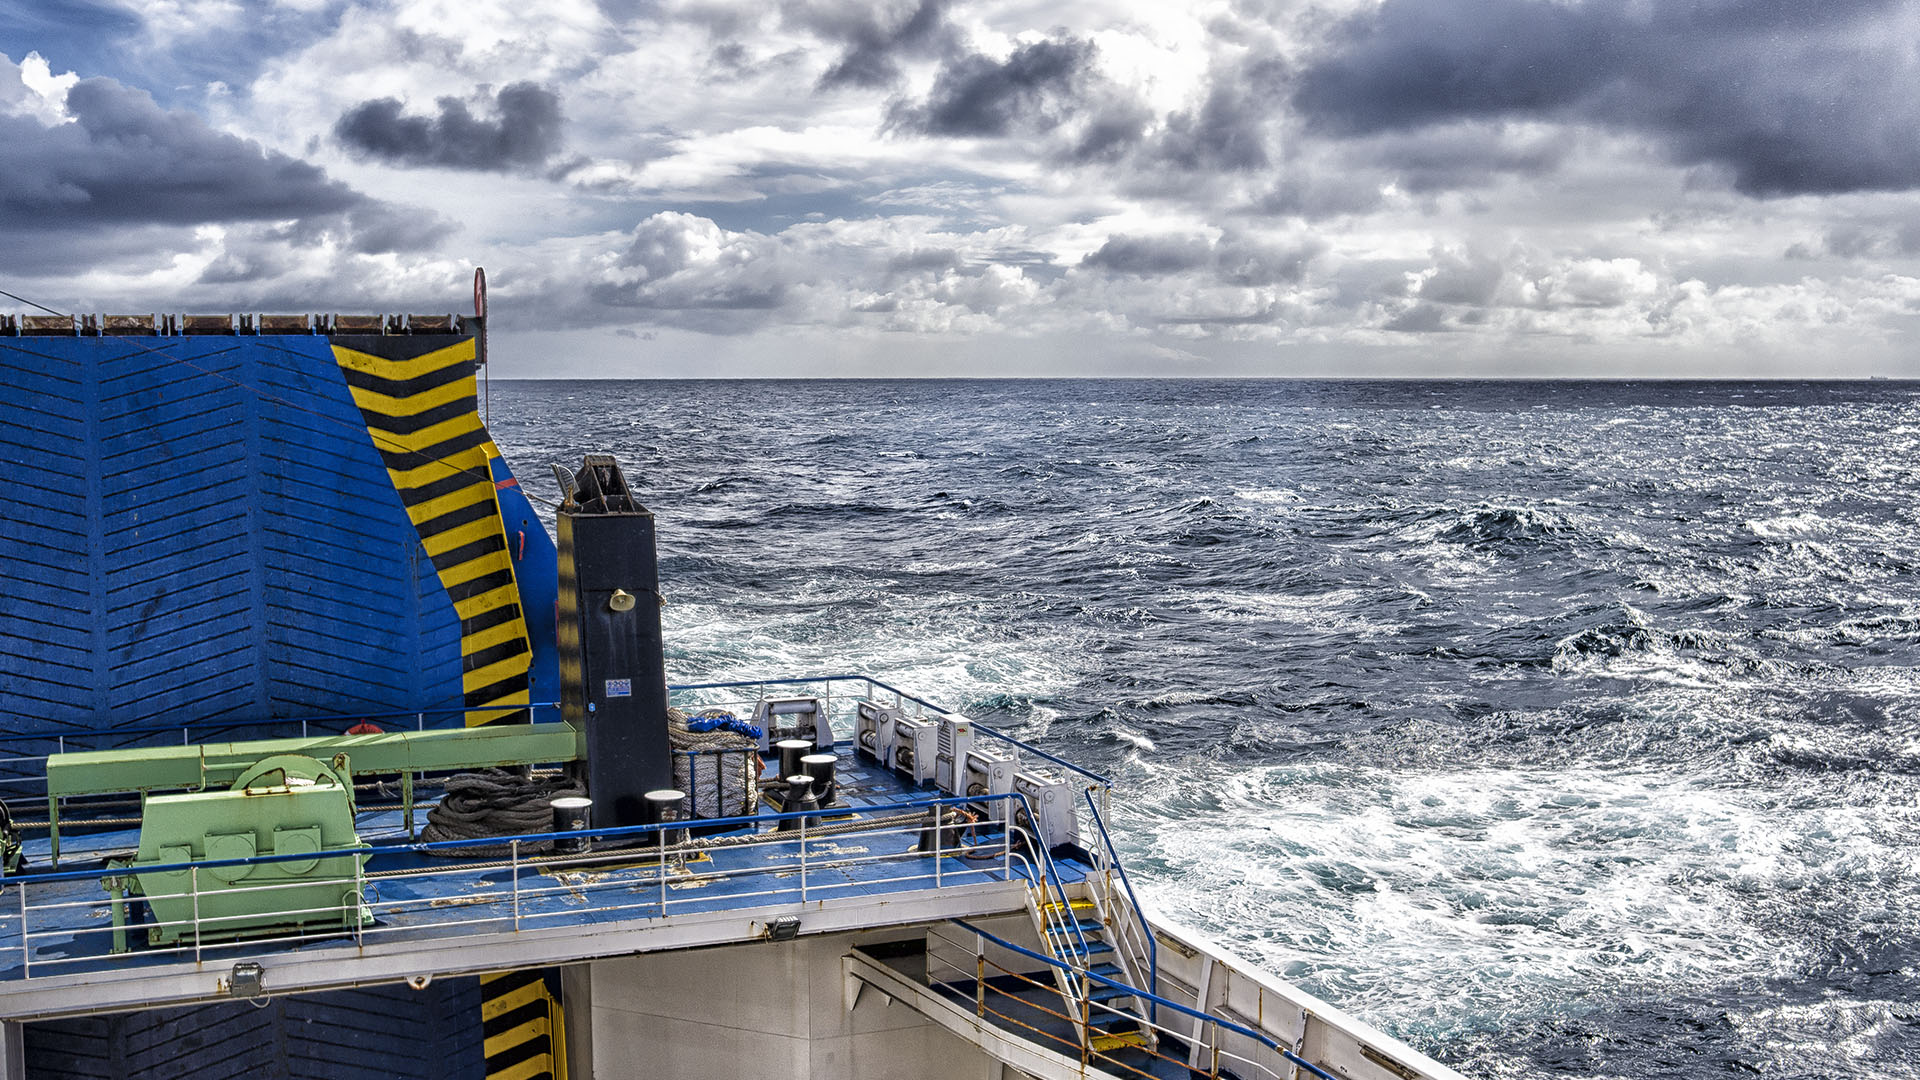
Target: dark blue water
{"points": [[1555, 727]]}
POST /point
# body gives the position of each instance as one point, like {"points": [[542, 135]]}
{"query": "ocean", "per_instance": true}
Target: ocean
{"points": [[1559, 728]]}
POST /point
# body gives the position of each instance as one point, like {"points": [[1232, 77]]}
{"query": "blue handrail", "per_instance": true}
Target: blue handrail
{"points": [[1053, 875], [605, 832], [1153, 945], [1155, 999]]}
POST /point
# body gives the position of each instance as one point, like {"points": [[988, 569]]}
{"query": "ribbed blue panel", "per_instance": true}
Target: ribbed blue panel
{"points": [[378, 1033], [199, 530]]}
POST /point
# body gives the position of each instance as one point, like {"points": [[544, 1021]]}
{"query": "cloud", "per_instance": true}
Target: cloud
{"points": [[1233, 259], [1227, 132], [1787, 98], [1036, 88], [1051, 87], [1418, 319], [123, 160], [36, 91], [1151, 256], [376, 227], [876, 37], [812, 178], [523, 135], [1864, 240], [1462, 156], [680, 262], [1471, 284]]}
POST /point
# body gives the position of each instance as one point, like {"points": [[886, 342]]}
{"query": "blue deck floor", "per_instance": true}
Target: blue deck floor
{"points": [[415, 897]]}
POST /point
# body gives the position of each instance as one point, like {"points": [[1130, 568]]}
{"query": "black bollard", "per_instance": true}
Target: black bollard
{"points": [[791, 751], [930, 838], [799, 799], [661, 806], [571, 814], [820, 767]]}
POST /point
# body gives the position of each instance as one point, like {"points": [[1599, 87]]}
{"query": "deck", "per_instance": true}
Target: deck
{"points": [[857, 866]]}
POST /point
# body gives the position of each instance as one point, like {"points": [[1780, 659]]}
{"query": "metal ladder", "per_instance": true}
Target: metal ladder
{"points": [[1077, 934]]}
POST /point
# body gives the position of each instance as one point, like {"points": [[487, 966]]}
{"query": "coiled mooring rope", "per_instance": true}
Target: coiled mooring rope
{"points": [[716, 762], [495, 802]]}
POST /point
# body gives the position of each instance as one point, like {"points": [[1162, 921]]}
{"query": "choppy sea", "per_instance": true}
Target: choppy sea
{"points": [[1555, 727]]}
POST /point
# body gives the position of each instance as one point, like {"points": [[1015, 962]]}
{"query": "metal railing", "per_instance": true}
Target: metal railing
{"points": [[1146, 943], [1220, 1058], [327, 723], [649, 875], [900, 698], [864, 690]]}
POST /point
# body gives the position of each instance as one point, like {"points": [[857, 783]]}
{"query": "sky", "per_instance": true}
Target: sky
{"points": [[809, 188]]}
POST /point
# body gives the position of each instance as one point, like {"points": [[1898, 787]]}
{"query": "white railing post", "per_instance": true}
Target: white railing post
{"points": [[26, 950], [660, 835], [513, 856], [979, 976], [1006, 845], [939, 815], [193, 882], [803, 860]]}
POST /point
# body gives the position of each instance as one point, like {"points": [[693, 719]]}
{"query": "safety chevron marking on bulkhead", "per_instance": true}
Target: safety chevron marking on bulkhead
{"points": [[421, 410], [523, 1027]]}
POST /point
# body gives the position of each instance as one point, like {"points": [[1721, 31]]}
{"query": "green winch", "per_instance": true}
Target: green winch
{"points": [[295, 808], [285, 806]]}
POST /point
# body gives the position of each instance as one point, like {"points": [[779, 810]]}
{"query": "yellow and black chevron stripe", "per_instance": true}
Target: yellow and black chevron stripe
{"points": [[421, 411], [524, 1029]]}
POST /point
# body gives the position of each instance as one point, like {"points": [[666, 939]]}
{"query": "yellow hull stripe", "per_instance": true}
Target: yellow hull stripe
{"points": [[421, 414], [523, 1028]]}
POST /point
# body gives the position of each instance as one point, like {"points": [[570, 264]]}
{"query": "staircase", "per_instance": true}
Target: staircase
{"points": [[1078, 934]]}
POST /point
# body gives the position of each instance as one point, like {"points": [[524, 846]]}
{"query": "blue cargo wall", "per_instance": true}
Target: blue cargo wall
{"points": [[379, 1033], [231, 533]]}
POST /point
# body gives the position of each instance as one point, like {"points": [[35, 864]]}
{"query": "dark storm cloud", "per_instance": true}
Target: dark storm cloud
{"points": [[1244, 261], [378, 227], [1317, 194], [1227, 133], [235, 267], [524, 134], [1048, 88], [1864, 241], [1234, 259], [875, 37], [134, 249], [1788, 97], [1035, 89], [1461, 156], [1151, 256], [1418, 319], [921, 259], [1471, 278], [623, 11], [126, 161]]}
